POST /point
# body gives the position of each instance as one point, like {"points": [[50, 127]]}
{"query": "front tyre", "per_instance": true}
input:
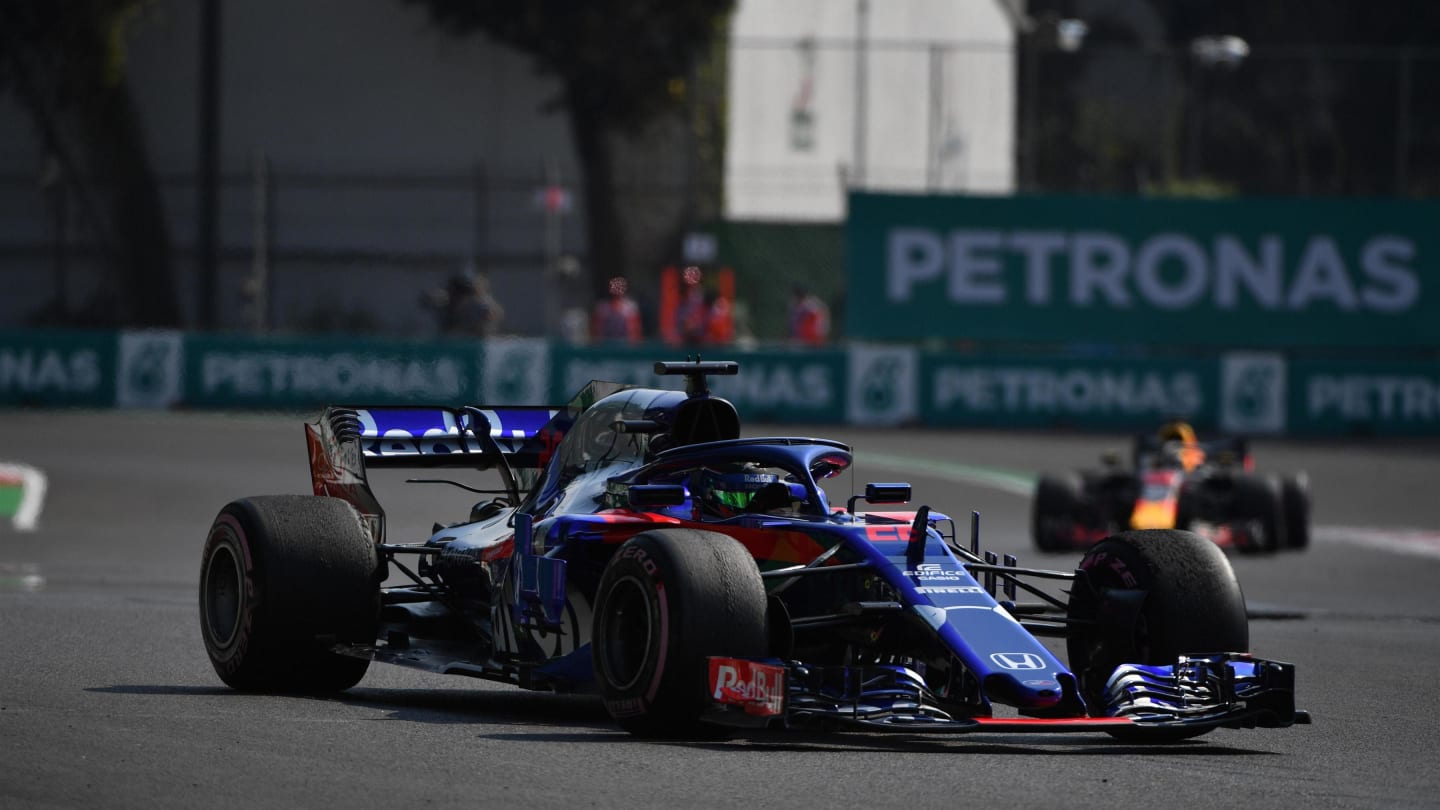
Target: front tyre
{"points": [[668, 601], [281, 578], [1148, 597], [1259, 499]]}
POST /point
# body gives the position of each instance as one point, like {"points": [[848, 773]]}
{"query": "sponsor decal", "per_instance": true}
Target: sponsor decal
{"points": [[934, 571], [1097, 270], [764, 383], [768, 384], [516, 371], [759, 689], [952, 589], [150, 369], [36, 370], [1373, 397], [1252, 393], [1030, 389], [330, 375], [1101, 561], [640, 556], [883, 381], [628, 707], [1018, 661], [887, 532]]}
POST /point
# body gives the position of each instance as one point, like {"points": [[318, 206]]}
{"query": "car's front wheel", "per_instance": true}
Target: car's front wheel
{"points": [[669, 600], [282, 578], [1148, 597], [1259, 499], [1295, 493]]}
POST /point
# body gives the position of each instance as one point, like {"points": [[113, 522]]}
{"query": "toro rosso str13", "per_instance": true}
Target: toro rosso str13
{"points": [[639, 548], [1175, 482]]}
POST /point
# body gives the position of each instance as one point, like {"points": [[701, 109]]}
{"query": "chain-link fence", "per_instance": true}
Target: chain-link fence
{"points": [[313, 252], [808, 119]]}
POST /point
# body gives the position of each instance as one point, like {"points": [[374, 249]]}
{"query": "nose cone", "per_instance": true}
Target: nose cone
{"points": [[1037, 689]]}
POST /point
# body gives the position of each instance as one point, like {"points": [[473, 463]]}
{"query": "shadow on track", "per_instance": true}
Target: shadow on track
{"points": [[586, 716], [433, 706]]}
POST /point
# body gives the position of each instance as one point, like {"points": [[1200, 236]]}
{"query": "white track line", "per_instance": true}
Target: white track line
{"points": [[1415, 542]]}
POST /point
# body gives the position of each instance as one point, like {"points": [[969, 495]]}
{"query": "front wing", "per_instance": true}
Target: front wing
{"points": [[1226, 690]]}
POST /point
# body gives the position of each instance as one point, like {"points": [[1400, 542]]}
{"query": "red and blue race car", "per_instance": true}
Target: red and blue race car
{"points": [[1175, 481], [638, 547]]}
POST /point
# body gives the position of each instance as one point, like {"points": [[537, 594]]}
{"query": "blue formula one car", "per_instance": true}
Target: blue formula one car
{"points": [[639, 548]]}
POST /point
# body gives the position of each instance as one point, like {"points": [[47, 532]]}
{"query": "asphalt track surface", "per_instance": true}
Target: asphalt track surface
{"points": [[107, 698]]}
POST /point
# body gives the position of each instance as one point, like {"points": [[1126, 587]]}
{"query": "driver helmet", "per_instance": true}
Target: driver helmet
{"points": [[1177, 432], [1189, 453], [730, 493]]}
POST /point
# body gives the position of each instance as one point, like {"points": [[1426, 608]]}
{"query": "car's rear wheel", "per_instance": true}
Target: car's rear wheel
{"points": [[1295, 493], [1148, 597], [1258, 499], [282, 578], [669, 600]]}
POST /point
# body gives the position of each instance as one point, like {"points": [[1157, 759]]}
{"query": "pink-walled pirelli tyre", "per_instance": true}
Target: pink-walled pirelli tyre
{"points": [[1153, 596], [669, 600], [283, 577]]}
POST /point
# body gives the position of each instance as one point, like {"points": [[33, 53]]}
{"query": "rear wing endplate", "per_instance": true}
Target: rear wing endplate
{"points": [[343, 442]]}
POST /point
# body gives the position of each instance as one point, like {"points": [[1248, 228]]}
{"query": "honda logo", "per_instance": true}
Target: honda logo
{"points": [[1018, 660]]}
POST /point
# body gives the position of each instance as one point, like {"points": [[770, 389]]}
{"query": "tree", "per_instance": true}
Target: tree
{"points": [[64, 61], [1329, 100], [631, 73]]}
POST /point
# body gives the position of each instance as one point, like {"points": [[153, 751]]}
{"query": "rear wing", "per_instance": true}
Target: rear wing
{"points": [[477, 438], [343, 442], [1233, 450]]}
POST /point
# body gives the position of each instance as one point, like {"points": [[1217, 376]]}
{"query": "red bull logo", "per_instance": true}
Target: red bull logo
{"points": [[758, 689]]}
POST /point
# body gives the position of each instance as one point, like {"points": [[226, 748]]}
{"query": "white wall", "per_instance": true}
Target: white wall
{"points": [[939, 99], [366, 88]]}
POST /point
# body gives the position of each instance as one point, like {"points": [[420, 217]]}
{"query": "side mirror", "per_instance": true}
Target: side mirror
{"points": [[643, 496], [882, 493], [887, 493]]}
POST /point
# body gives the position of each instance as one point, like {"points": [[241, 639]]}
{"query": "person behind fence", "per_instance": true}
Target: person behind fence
{"points": [[465, 306], [809, 317], [692, 316], [719, 320], [616, 316]]}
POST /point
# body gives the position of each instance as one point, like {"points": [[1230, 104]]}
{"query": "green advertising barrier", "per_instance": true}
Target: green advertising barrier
{"points": [[774, 385], [1379, 398], [225, 371], [59, 368], [1248, 273], [1122, 394], [1242, 392]]}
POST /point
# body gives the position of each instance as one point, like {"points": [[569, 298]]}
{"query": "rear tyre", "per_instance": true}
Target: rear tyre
{"points": [[1153, 596], [1258, 498], [1295, 494], [282, 578], [667, 601], [1056, 507]]}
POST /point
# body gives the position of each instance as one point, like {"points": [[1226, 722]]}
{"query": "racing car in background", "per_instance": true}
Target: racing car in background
{"points": [[1174, 481], [638, 547]]}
